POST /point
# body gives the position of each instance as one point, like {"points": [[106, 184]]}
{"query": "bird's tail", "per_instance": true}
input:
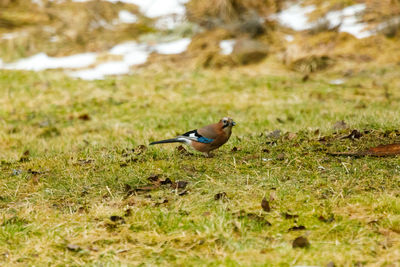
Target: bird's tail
{"points": [[173, 140]]}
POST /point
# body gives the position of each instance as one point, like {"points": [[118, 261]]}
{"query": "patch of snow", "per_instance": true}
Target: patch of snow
{"points": [[174, 47], [295, 17], [9, 36], [227, 46], [42, 61], [336, 82], [127, 17], [157, 8], [289, 38], [348, 21], [102, 70]]}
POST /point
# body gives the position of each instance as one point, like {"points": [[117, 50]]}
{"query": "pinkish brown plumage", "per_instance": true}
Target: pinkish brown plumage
{"points": [[205, 139]]}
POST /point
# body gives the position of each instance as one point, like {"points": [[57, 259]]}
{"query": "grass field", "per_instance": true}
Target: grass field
{"points": [[73, 169]]}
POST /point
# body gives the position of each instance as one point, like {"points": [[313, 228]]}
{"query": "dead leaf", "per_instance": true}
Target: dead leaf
{"points": [[116, 218], [221, 195], [179, 184], [289, 216], [274, 134], [272, 196], [265, 205], [297, 228], [300, 242], [165, 201], [183, 193], [235, 149], [140, 149], [154, 178], [291, 136], [353, 135], [73, 247], [379, 151], [305, 78], [166, 181], [182, 150], [254, 217], [329, 220], [340, 125], [25, 156], [84, 117], [280, 156], [128, 212], [331, 264]]}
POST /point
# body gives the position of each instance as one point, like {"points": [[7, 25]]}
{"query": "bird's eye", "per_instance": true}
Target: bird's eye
{"points": [[224, 121]]}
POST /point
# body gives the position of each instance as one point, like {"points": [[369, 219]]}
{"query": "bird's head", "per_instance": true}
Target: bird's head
{"points": [[227, 123]]}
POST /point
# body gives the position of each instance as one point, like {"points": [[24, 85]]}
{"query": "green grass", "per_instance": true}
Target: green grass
{"points": [[56, 203]]}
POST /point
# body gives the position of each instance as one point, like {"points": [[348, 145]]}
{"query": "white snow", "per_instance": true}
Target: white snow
{"points": [[348, 21], [157, 8], [42, 61], [295, 17], [227, 46], [127, 17], [289, 38], [336, 82], [174, 47]]}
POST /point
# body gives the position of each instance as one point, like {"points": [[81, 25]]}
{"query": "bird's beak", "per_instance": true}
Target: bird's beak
{"points": [[233, 123]]}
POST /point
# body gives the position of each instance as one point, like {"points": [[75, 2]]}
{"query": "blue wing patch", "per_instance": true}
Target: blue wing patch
{"points": [[204, 140], [198, 137]]}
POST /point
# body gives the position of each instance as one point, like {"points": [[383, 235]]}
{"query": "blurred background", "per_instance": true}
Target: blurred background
{"points": [[94, 39]]}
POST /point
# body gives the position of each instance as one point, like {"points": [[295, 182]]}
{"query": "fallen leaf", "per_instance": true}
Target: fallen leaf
{"points": [[353, 135], [84, 117], [291, 136], [265, 205], [254, 217], [235, 149], [166, 181], [179, 184], [154, 178], [379, 151], [280, 156], [331, 264], [207, 213], [128, 212], [25, 156], [183, 193], [300, 242], [165, 201], [340, 125], [329, 220], [305, 78], [220, 195], [297, 228], [289, 216], [116, 218], [274, 134], [182, 150], [73, 247]]}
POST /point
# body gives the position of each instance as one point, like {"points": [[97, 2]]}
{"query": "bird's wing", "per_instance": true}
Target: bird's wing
{"points": [[195, 136], [209, 131]]}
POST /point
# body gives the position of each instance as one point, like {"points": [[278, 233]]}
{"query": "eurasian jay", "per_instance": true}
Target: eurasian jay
{"points": [[205, 139]]}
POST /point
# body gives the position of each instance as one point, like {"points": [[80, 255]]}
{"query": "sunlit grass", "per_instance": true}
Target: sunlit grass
{"points": [[79, 135]]}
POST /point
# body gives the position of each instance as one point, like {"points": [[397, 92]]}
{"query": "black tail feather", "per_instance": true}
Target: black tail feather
{"points": [[174, 140]]}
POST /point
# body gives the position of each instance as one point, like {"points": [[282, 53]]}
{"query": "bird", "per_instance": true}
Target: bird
{"points": [[205, 139]]}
